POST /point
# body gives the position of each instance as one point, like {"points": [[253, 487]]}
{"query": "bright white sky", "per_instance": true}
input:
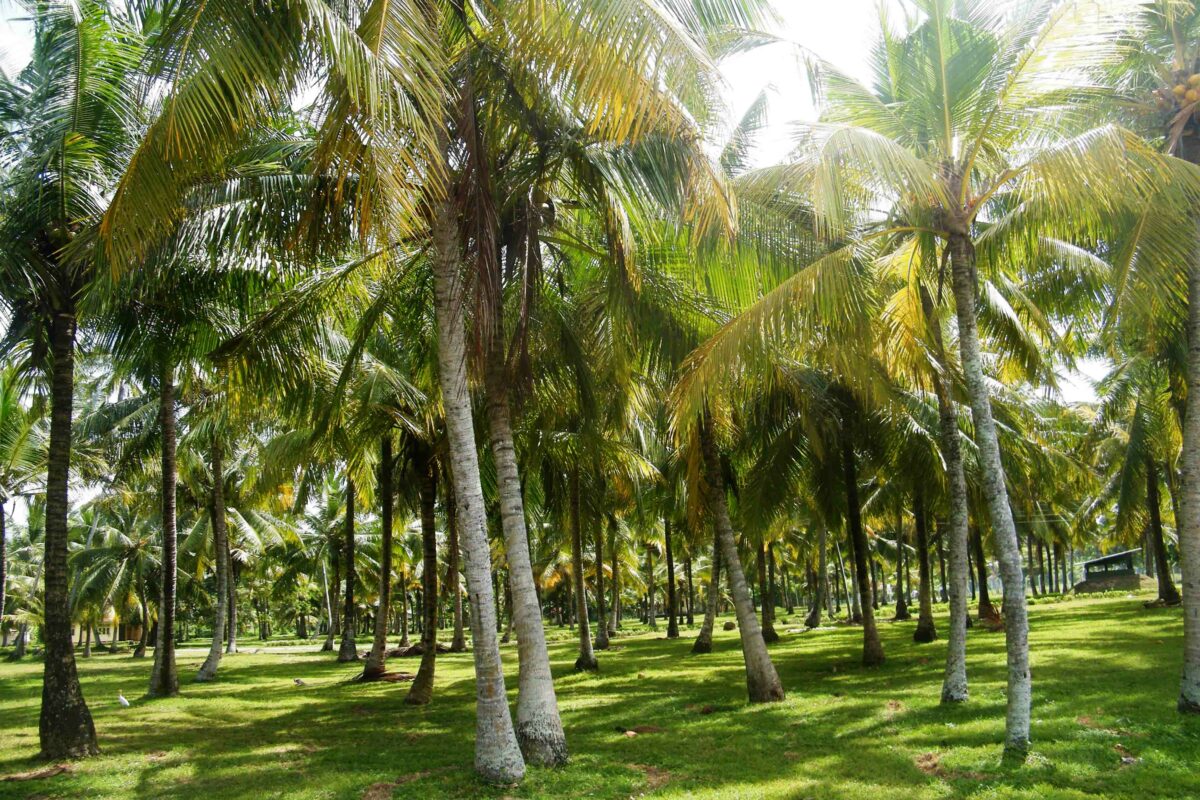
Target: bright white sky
{"points": [[841, 32]]}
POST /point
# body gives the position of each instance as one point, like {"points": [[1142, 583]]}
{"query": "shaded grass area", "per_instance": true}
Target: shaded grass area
{"points": [[1105, 680]]}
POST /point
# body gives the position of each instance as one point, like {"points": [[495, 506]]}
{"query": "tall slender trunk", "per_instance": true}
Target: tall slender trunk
{"points": [[601, 642], [87, 640], [852, 600], [764, 593], [762, 681], [651, 612], [615, 578], [404, 641], [348, 651], [1016, 629], [143, 637], [925, 632], [539, 728], [1189, 503], [421, 691], [334, 607], [691, 587], [497, 754], [940, 537], [3, 573], [587, 658], [65, 727], [872, 647], [458, 644], [703, 642], [1167, 593], [216, 513], [378, 655], [672, 595], [987, 611], [813, 619], [843, 579], [232, 570], [902, 591], [164, 678]]}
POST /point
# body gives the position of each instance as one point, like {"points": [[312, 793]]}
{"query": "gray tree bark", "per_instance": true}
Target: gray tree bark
{"points": [[208, 670], [703, 642], [164, 677], [421, 691], [1189, 506], [587, 658], [377, 658], [925, 631], [348, 651], [814, 616]]}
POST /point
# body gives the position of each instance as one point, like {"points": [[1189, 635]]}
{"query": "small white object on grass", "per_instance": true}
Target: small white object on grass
{"points": [[121, 699]]}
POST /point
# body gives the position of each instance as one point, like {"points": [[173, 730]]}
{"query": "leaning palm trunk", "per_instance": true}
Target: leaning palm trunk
{"points": [[1016, 629], [65, 728], [348, 651], [954, 683], [378, 655], [587, 658], [497, 755], [539, 728], [1167, 593], [822, 584], [1189, 506], [704, 640], [872, 647], [762, 681], [926, 631], [164, 679], [208, 670], [421, 691]]}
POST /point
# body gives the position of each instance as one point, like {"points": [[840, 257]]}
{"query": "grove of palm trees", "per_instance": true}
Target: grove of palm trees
{"points": [[464, 398]]}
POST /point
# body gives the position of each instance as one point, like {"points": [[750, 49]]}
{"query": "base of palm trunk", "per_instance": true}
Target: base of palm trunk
{"points": [[770, 691], [1187, 705], [769, 635], [585, 664], [902, 613], [952, 695], [543, 745], [460, 646], [372, 671], [872, 653], [601, 640], [703, 644], [347, 654], [67, 731], [1015, 753], [813, 620], [926, 631]]}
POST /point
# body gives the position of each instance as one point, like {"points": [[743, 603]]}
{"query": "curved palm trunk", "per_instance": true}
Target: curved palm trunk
{"points": [[872, 647], [348, 651], [378, 655], [65, 727], [421, 691], [539, 728], [497, 754], [164, 678], [813, 619], [926, 631], [1016, 629], [459, 643], [587, 658], [672, 595], [762, 681], [601, 642], [208, 670], [704, 640], [1167, 593]]}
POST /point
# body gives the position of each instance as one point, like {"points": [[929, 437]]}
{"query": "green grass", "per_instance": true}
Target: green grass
{"points": [[1105, 679]]}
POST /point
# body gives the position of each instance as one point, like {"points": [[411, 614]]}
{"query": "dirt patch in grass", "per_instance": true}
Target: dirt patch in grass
{"points": [[931, 764], [384, 789], [39, 774], [656, 777]]}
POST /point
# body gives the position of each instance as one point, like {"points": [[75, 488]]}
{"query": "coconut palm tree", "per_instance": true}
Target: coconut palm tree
{"points": [[22, 456]]}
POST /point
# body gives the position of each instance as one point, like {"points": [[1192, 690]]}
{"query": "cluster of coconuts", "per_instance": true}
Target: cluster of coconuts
{"points": [[1185, 92]]}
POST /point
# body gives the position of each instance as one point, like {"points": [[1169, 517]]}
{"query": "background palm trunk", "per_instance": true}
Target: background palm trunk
{"points": [[1167, 593], [651, 611], [458, 644], [987, 611], [762, 681], [764, 594], [872, 647], [601, 642], [614, 618], [164, 678], [3, 574], [587, 658], [208, 670], [539, 728], [1016, 628], [925, 631], [672, 594], [231, 570], [334, 613], [421, 691], [497, 755], [691, 588], [1189, 506], [813, 619], [703, 642], [348, 651], [65, 727], [378, 655]]}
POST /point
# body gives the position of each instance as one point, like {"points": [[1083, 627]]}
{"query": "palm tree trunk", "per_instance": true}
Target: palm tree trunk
{"points": [[421, 691], [164, 678], [587, 658], [852, 599], [672, 595], [65, 728], [872, 647], [1167, 593], [497, 754], [3, 574], [143, 640], [813, 619], [762, 681], [404, 641], [902, 591], [651, 611], [764, 593], [691, 589], [458, 644], [703, 642], [332, 607], [231, 570], [991, 468], [601, 642], [615, 577], [378, 655], [208, 670], [987, 611], [925, 632], [348, 651]]}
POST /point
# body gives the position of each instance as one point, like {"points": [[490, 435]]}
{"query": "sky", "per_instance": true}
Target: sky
{"points": [[840, 32]]}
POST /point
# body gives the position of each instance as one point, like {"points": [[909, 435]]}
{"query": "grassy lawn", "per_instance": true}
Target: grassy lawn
{"points": [[1105, 679]]}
